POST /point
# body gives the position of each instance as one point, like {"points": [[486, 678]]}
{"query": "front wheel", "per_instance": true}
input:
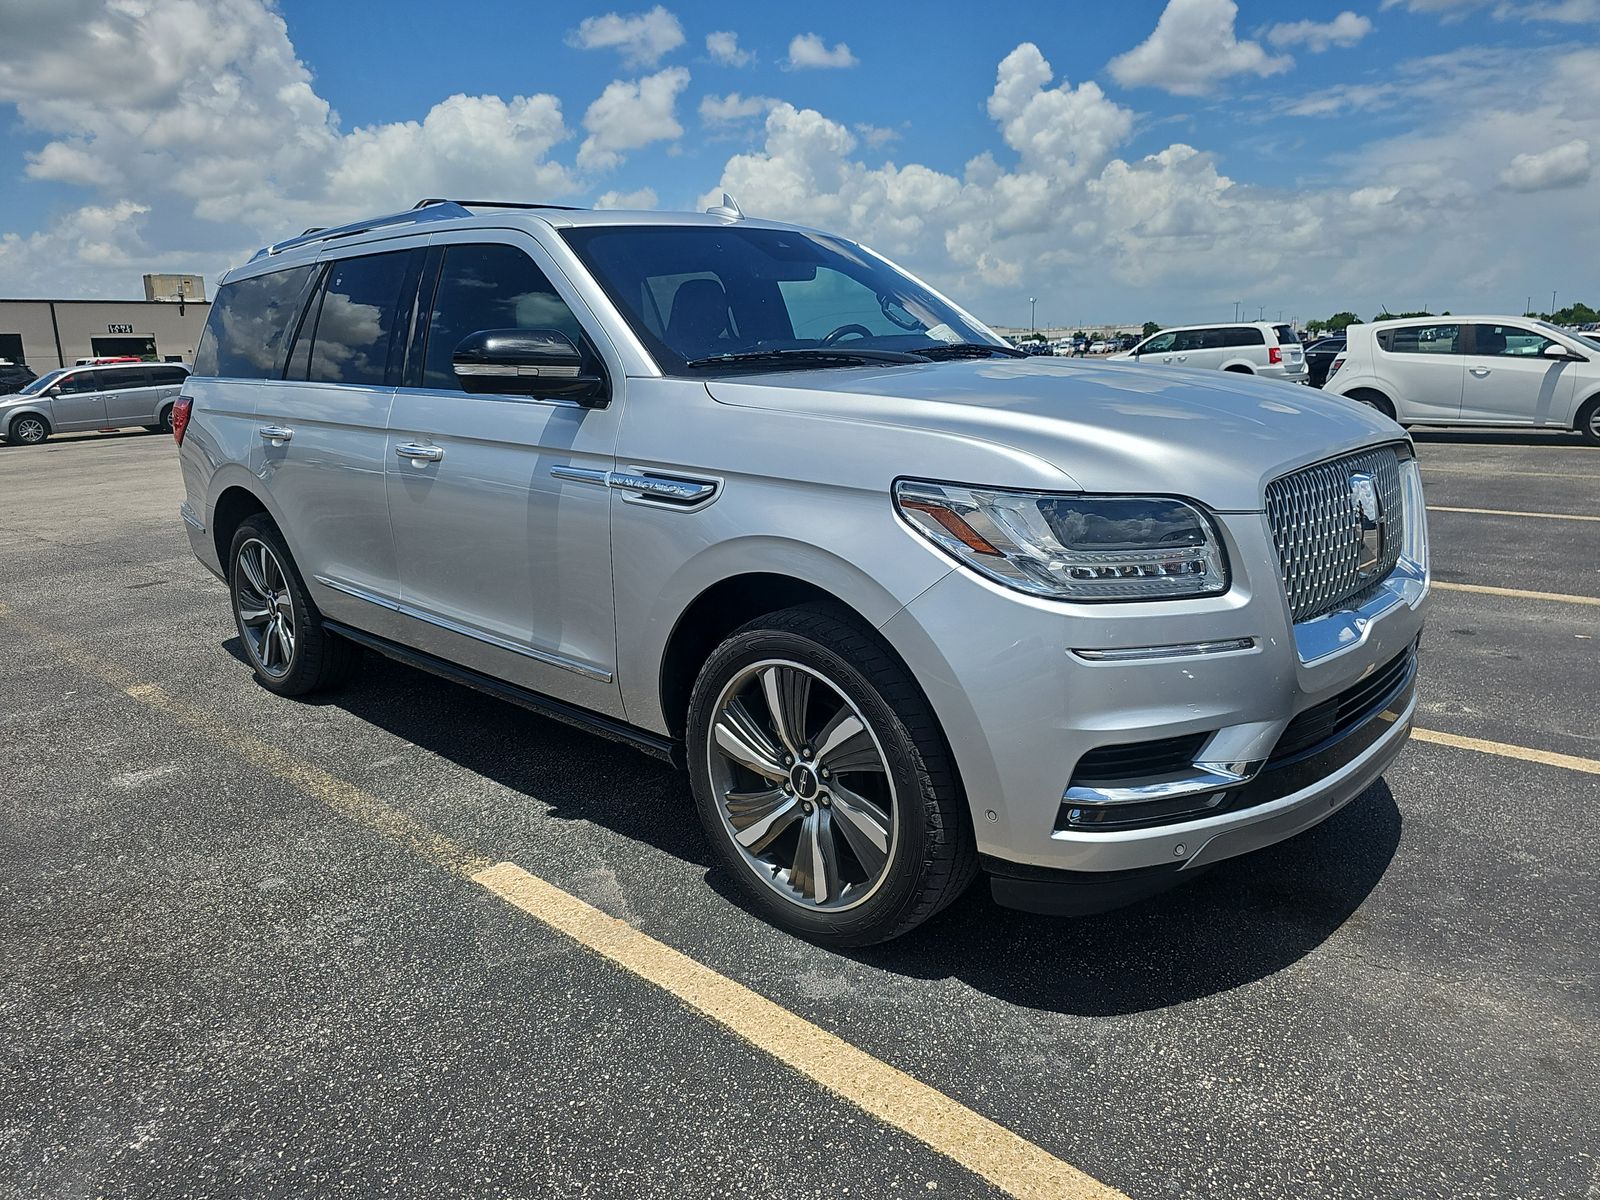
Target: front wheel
{"points": [[284, 638], [824, 782], [1589, 422], [28, 430]]}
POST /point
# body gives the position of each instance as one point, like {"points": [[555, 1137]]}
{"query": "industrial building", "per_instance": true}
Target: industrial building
{"points": [[46, 334]]}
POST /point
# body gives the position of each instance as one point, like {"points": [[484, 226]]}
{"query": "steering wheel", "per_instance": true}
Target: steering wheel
{"points": [[858, 330]]}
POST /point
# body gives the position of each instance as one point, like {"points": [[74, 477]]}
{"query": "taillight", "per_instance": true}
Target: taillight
{"points": [[180, 417], [1333, 367], [1274, 354]]}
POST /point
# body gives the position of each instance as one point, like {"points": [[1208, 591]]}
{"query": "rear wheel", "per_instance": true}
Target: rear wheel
{"points": [[823, 780], [1239, 370], [28, 430], [289, 650], [165, 424], [1374, 400], [1589, 422]]}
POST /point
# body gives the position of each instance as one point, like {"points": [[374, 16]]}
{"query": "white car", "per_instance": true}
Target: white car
{"points": [[1247, 348], [1473, 371]]}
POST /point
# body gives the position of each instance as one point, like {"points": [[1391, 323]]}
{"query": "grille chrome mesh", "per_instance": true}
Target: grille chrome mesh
{"points": [[1316, 527]]}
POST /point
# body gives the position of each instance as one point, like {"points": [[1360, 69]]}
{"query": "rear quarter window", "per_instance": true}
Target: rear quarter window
{"points": [[249, 326]]}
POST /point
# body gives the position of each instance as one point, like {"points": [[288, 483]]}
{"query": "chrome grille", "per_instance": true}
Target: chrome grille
{"points": [[1316, 526]]}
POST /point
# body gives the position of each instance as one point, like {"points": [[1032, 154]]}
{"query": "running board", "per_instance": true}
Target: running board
{"points": [[610, 728]]}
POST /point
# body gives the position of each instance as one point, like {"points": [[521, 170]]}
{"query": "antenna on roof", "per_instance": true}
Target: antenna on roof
{"points": [[728, 208]]}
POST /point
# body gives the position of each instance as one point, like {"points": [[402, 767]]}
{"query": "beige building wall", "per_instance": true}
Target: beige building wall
{"points": [[89, 328]]}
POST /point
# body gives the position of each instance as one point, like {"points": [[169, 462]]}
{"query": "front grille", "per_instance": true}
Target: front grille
{"points": [[1337, 716], [1316, 527], [1139, 760]]}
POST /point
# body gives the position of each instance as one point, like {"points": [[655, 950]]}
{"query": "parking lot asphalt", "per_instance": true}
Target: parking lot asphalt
{"points": [[245, 952]]}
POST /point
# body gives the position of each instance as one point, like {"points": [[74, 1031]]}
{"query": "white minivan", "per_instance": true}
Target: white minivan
{"points": [[1247, 348], [1473, 371]]}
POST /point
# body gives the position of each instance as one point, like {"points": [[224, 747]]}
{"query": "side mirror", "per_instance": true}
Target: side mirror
{"points": [[1557, 351], [526, 362]]}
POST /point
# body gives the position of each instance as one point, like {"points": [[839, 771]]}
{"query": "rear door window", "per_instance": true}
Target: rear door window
{"points": [[1421, 339], [356, 320], [1286, 335], [250, 324]]}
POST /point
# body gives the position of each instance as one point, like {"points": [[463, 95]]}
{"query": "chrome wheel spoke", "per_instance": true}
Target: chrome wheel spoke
{"points": [[815, 873], [250, 610], [787, 692], [846, 745], [746, 743], [865, 827], [250, 564], [759, 817], [286, 640]]}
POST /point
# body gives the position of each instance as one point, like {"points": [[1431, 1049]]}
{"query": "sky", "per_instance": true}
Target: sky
{"points": [[1115, 163]]}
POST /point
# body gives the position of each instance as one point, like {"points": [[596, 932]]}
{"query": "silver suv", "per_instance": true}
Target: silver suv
{"points": [[93, 397], [748, 497]]}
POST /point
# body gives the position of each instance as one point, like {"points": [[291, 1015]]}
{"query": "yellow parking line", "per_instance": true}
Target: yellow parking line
{"points": [[1008, 1161], [1484, 589], [1502, 512], [1487, 474], [1549, 758], [1011, 1163]]}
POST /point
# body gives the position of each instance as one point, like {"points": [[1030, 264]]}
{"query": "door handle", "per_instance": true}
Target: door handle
{"points": [[275, 433], [1480, 372], [419, 453]]}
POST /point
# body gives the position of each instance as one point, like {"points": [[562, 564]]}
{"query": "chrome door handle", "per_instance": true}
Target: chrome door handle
{"points": [[275, 433], [1480, 372], [419, 453]]}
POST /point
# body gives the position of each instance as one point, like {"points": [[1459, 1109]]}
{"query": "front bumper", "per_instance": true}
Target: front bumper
{"points": [[1024, 693]]}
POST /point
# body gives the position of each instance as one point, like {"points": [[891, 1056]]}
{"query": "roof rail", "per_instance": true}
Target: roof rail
{"points": [[437, 210], [495, 204], [431, 209]]}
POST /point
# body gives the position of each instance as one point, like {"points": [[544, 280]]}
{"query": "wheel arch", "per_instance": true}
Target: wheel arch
{"points": [[1239, 367], [233, 506], [17, 413], [1584, 405]]}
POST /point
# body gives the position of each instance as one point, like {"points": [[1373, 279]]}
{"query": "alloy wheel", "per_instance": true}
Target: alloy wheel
{"points": [[28, 430], [803, 785], [266, 611]]}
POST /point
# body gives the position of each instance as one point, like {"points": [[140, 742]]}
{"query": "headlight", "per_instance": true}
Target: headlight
{"points": [[1071, 547]]}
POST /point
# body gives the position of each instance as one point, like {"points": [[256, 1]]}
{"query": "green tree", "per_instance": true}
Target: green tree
{"points": [[1150, 328], [1342, 320]]}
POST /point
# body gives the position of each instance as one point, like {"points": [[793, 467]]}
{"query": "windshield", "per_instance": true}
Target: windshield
{"points": [[39, 384], [1584, 338], [696, 294]]}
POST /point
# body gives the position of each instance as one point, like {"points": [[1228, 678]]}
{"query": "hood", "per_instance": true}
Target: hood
{"points": [[1111, 426]]}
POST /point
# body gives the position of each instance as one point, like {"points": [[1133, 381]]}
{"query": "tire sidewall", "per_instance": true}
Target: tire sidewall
{"points": [[900, 888], [293, 681], [16, 439]]}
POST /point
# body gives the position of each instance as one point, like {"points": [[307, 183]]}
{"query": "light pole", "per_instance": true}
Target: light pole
{"points": [[1552, 305], [1033, 302], [1236, 304]]}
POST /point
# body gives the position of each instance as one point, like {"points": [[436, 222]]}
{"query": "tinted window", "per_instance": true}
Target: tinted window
{"points": [[1190, 339], [489, 287], [250, 324], [1508, 341], [1286, 335], [1243, 335], [83, 381], [356, 319], [121, 379], [1421, 339], [167, 376]]}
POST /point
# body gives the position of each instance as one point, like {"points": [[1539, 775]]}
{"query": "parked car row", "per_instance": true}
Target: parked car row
{"points": [[1246, 348]]}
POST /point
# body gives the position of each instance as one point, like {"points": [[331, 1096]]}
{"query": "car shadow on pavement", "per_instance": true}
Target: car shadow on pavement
{"points": [[1239, 922]]}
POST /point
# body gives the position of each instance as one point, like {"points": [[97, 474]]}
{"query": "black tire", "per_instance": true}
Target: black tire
{"points": [[165, 424], [316, 658], [1588, 423], [27, 430], [1373, 400], [931, 854]]}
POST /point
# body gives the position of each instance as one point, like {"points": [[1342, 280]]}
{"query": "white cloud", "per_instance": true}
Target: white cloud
{"points": [[643, 198], [808, 51], [725, 110], [631, 114], [1066, 132], [1193, 47], [1565, 12], [1345, 30], [876, 136], [1566, 165], [641, 38], [724, 48]]}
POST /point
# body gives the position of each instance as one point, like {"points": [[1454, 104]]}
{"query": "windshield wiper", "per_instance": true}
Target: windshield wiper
{"points": [[807, 357], [969, 350]]}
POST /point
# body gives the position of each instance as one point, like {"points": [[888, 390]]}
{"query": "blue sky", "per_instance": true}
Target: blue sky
{"points": [[1119, 162]]}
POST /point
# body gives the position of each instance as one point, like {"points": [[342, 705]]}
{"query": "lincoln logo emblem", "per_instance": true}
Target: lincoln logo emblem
{"points": [[1369, 522]]}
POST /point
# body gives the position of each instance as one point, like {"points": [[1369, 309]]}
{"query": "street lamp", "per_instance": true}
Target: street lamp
{"points": [[1033, 302]]}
